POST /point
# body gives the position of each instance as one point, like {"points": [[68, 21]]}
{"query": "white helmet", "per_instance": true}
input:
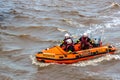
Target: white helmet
{"points": [[67, 35], [85, 35], [69, 41]]}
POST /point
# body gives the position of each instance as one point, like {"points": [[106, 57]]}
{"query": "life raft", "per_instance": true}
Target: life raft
{"points": [[57, 55]]}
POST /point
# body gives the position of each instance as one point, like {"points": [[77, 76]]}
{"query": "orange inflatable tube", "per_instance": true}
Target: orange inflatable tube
{"points": [[57, 55]]}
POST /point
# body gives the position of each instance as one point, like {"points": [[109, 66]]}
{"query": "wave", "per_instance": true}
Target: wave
{"points": [[73, 23], [61, 30], [4, 77], [1, 18], [67, 11], [4, 51], [117, 44], [95, 62], [29, 28], [113, 5], [33, 34], [13, 11], [22, 16], [36, 39], [7, 33], [71, 13], [35, 62], [25, 37]]}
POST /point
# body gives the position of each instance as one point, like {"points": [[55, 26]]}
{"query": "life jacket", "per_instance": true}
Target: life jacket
{"points": [[84, 40], [67, 41]]}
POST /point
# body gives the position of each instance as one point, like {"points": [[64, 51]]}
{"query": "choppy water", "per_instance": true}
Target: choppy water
{"points": [[28, 26]]}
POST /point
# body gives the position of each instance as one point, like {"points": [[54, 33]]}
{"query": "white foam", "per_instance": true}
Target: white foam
{"points": [[96, 29], [10, 48], [91, 73], [115, 76], [95, 62], [115, 4], [35, 62], [117, 44], [116, 21], [61, 30], [73, 23]]}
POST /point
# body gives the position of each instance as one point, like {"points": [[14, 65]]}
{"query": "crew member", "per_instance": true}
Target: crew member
{"points": [[67, 43], [85, 41], [97, 42]]}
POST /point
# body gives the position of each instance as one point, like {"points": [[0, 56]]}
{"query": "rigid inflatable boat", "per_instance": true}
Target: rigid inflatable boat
{"points": [[57, 55]]}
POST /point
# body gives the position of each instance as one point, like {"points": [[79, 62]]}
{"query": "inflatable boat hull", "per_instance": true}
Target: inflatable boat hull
{"points": [[57, 55]]}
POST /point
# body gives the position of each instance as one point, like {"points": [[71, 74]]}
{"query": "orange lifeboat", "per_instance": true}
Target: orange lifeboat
{"points": [[57, 55]]}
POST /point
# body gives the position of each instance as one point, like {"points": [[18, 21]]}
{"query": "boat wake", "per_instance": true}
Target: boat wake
{"points": [[40, 64], [95, 62]]}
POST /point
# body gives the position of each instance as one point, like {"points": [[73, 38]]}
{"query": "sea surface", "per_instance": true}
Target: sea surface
{"points": [[29, 26]]}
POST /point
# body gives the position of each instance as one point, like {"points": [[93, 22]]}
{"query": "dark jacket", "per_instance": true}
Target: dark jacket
{"points": [[85, 42]]}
